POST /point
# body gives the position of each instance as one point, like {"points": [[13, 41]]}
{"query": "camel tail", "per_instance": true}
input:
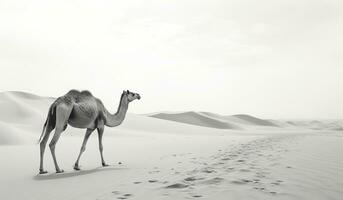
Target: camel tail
{"points": [[48, 122]]}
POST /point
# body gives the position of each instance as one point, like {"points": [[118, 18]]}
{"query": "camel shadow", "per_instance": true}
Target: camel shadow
{"points": [[74, 173]]}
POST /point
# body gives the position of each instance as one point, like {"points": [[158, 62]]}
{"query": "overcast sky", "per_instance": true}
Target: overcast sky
{"points": [[271, 59]]}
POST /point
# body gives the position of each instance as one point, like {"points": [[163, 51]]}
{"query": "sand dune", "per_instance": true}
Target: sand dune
{"points": [[213, 120], [245, 122], [197, 118], [10, 134], [252, 120], [316, 124], [21, 107], [144, 123], [21, 117], [243, 119]]}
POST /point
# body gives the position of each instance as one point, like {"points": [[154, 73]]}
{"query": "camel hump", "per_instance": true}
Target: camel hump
{"points": [[77, 96], [74, 92], [86, 92]]}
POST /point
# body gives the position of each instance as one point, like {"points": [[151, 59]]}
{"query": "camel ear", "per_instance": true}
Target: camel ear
{"points": [[124, 91], [128, 91]]}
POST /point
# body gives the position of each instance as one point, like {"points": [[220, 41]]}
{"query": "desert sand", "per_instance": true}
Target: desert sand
{"points": [[184, 155]]}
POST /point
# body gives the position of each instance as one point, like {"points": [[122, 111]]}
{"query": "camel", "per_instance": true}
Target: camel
{"points": [[80, 110]]}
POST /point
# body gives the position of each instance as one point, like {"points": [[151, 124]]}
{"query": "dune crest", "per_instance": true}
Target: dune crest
{"points": [[213, 120], [253, 120], [196, 118]]}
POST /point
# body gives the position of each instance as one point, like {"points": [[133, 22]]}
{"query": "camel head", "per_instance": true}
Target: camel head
{"points": [[131, 95]]}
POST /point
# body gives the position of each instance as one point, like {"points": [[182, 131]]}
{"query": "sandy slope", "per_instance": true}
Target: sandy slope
{"points": [[207, 119], [21, 117], [246, 122], [196, 118], [165, 159]]}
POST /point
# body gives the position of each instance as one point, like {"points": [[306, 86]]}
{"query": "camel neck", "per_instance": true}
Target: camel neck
{"points": [[117, 118]]}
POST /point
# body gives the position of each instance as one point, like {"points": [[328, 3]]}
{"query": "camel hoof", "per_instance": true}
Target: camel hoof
{"points": [[105, 165], [59, 171], [42, 172], [77, 168]]}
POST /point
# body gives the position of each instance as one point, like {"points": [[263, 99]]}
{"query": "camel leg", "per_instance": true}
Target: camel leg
{"points": [[83, 148], [42, 149], [52, 146], [101, 148], [62, 115]]}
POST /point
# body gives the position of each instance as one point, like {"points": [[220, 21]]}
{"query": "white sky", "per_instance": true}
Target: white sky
{"points": [[271, 59]]}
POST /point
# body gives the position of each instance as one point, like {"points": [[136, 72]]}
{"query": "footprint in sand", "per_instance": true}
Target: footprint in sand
{"points": [[241, 181], [177, 186], [190, 179], [261, 188], [208, 171], [154, 172], [215, 180], [153, 181], [124, 196], [256, 180]]}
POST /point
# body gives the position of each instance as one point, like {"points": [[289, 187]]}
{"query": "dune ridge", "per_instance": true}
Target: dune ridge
{"points": [[245, 121], [253, 120], [214, 120], [196, 118], [21, 116]]}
